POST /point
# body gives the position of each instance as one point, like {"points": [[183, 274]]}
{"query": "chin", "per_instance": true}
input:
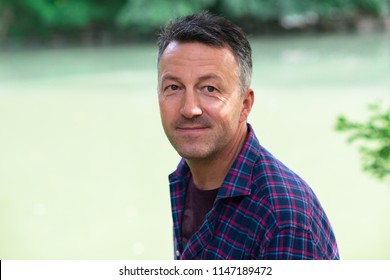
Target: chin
{"points": [[193, 154]]}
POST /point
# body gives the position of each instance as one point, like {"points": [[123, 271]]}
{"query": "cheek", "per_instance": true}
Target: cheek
{"points": [[167, 111], [166, 120], [164, 113], [224, 112]]}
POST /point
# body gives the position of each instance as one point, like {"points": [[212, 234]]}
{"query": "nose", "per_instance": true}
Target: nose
{"points": [[190, 105]]}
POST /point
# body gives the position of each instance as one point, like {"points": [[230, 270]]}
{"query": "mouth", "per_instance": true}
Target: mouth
{"points": [[192, 129]]}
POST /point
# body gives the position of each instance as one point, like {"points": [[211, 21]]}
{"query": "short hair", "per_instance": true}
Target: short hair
{"points": [[211, 30]]}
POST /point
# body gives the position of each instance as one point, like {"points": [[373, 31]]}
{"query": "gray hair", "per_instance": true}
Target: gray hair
{"points": [[211, 30]]}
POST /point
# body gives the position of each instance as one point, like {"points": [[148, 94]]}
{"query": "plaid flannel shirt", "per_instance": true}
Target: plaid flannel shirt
{"points": [[263, 210]]}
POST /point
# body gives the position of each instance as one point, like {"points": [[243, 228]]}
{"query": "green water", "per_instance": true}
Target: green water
{"points": [[84, 160]]}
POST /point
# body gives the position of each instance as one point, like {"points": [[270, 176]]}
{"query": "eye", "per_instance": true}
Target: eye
{"points": [[173, 87], [210, 89]]}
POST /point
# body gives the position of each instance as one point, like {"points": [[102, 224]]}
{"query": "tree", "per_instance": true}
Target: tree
{"points": [[40, 19], [148, 15], [43, 18], [374, 136]]}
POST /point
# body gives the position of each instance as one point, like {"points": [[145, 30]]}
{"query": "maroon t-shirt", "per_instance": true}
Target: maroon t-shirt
{"points": [[198, 204]]}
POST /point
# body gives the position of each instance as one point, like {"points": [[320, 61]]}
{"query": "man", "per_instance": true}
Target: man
{"points": [[231, 199]]}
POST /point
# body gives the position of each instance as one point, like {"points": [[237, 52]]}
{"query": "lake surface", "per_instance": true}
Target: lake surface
{"points": [[84, 160]]}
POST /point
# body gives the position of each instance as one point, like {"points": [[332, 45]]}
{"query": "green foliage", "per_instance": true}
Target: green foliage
{"points": [[373, 7], [40, 17], [147, 15], [69, 13], [264, 9], [374, 136], [72, 13], [26, 18], [277, 9]]}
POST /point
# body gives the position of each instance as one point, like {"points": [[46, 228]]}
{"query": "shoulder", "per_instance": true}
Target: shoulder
{"points": [[288, 197], [283, 207], [275, 190]]}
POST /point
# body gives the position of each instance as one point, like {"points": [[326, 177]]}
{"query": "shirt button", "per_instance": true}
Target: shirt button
{"points": [[177, 253]]}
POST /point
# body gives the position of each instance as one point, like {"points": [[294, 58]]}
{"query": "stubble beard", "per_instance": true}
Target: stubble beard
{"points": [[196, 147]]}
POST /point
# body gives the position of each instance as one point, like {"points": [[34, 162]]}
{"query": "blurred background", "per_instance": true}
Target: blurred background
{"points": [[84, 162]]}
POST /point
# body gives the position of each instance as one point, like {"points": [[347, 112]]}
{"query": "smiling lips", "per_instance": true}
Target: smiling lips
{"points": [[191, 129], [194, 126]]}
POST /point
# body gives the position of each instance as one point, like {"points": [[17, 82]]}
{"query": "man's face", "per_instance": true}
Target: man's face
{"points": [[200, 99]]}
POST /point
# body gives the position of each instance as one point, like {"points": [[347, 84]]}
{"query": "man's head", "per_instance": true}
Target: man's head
{"points": [[203, 82], [213, 31]]}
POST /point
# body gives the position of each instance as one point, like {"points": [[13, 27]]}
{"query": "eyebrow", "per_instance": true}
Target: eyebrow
{"points": [[201, 79], [210, 77], [169, 77]]}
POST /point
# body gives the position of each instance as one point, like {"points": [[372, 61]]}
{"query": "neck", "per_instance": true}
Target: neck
{"points": [[210, 173]]}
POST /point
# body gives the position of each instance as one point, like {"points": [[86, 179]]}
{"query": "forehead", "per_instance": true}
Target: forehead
{"points": [[197, 54]]}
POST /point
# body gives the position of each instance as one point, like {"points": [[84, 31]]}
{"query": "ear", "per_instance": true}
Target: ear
{"points": [[247, 102]]}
